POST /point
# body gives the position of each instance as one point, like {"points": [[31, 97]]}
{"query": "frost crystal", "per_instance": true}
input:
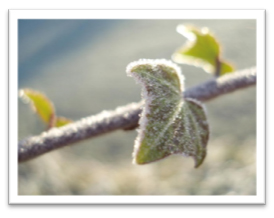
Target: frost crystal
{"points": [[169, 124]]}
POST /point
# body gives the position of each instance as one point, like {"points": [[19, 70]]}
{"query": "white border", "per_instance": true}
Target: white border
{"points": [[14, 15]]}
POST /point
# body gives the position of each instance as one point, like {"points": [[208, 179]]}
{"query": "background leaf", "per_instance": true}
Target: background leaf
{"points": [[62, 121], [41, 105], [169, 124], [202, 50], [226, 68]]}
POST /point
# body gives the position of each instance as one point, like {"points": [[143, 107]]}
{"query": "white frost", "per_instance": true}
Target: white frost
{"points": [[155, 62]]}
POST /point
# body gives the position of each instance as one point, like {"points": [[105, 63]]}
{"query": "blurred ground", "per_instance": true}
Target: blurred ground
{"points": [[80, 65]]}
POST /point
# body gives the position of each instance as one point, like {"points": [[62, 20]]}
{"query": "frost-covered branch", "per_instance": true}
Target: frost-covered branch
{"points": [[125, 117]]}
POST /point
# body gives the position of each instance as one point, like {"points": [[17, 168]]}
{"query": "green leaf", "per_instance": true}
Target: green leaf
{"points": [[62, 121], [169, 123], [202, 50], [226, 68], [41, 105]]}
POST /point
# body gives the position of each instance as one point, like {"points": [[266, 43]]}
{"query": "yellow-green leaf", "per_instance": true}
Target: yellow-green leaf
{"points": [[226, 68], [202, 50], [41, 105], [62, 121], [169, 124]]}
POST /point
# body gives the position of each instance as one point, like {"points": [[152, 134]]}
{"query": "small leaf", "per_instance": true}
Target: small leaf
{"points": [[202, 50], [40, 104], [62, 121], [226, 68], [169, 124]]}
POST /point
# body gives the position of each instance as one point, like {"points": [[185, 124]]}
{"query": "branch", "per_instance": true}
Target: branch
{"points": [[125, 117]]}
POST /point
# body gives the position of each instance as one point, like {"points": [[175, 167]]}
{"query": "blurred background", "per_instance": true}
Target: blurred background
{"points": [[80, 65]]}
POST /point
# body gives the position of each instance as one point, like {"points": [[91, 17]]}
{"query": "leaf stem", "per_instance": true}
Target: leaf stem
{"points": [[218, 67]]}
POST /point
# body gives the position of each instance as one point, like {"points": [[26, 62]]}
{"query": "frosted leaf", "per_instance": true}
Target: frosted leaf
{"points": [[169, 124]]}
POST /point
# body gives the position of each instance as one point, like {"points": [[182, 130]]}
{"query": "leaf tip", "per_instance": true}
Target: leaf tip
{"points": [[199, 159], [23, 97], [134, 69], [62, 121], [40, 104], [185, 30]]}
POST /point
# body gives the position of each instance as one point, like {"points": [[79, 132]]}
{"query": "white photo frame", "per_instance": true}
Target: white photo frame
{"points": [[15, 15]]}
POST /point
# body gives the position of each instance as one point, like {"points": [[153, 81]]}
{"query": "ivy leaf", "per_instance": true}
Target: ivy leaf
{"points": [[41, 105], [169, 124], [62, 121], [202, 50]]}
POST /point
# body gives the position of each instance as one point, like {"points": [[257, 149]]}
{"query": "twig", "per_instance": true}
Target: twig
{"points": [[125, 117]]}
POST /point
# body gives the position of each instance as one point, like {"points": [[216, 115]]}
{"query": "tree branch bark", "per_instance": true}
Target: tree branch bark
{"points": [[125, 117]]}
